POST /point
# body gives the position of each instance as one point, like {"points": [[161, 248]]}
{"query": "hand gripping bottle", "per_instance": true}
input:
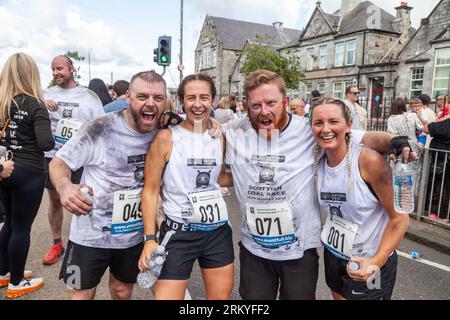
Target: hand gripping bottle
{"points": [[147, 278], [403, 176], [86, 222]]}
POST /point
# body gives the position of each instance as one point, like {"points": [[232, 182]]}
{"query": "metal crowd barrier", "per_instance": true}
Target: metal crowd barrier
{"points": [[434, 187]]}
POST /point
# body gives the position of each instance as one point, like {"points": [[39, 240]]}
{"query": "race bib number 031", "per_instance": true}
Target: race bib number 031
{"points": [[127, 212], [66, 129], [338, 236], [210, 210], [271, 225]]}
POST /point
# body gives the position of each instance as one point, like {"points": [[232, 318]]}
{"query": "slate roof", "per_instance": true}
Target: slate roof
{"points": [[356, 20], [234, 33]]}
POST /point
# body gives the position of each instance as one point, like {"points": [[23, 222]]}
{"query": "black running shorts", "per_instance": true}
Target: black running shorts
{"points": [[83, 267], [262, 279], [213, 249], [338, 280]]}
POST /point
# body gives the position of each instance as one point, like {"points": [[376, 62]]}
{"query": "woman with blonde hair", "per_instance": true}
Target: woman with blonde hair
{"points": [[27, 134]]}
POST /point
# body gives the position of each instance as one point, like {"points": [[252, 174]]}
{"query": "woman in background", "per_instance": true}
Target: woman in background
{"points": [[26, 123]]}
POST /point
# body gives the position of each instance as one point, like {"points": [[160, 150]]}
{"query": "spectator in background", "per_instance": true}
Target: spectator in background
{"points": [[297, 107], [359, 114], [233, 107], [444, 108], [315, 97], [416, 113], [400, 122], [440, 132], [26, 124], [223, 113], [111, 92], [120, 90], [241, 108], [427, 114], [99, 87]]}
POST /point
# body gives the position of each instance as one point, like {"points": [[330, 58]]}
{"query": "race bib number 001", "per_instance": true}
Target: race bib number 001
{"points": [[66, 129], [338, 235], [210, 211], [127, 212], [271, 225]]}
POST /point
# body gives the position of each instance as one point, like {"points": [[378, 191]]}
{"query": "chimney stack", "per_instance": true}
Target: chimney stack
{"points": [[278, 25], [402, 23]]}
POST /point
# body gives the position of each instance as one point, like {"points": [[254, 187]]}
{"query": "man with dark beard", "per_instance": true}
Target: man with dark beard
{"points": [[107, 230], [271, 154]]}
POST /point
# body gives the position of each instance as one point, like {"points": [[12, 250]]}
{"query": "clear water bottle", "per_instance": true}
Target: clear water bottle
{"points": [[403, 175], [147, 278], [86, 222]]}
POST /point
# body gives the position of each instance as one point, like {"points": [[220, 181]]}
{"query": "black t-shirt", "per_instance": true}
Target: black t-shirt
{"points": [[29, 133], [440, 131]]}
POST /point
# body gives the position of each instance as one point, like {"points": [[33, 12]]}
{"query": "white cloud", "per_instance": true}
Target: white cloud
{"points": [[47, 28]]}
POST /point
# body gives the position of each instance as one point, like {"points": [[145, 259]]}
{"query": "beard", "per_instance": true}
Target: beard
{"points": [[138, 121], [278, 124]]}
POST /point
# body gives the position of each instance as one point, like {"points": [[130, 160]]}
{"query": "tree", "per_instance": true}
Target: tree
{"points": [[263, 55], [73, 55]]}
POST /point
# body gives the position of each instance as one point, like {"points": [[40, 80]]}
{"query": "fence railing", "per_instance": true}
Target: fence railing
{"points": [[378, 112], [434, 186]]}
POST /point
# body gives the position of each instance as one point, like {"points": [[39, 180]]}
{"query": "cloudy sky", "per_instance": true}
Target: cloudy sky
{"points": [[121, 36]]}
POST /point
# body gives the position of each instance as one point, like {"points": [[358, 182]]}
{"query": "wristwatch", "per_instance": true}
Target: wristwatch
{"points": [[149, 237]]}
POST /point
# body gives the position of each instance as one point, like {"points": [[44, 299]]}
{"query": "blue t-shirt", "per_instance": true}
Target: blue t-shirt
{"points": [[116, 105]]}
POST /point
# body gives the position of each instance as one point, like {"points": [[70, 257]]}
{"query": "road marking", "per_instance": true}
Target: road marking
{"points": [[424, 261], [187, 295]]}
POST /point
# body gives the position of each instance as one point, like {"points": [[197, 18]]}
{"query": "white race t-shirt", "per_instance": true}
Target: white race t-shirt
{"points": [[190, 193], [353, 206], [113, 156], [77, 106], [275, 188]]}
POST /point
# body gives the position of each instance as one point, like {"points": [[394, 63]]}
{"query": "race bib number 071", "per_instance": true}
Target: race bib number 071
{"points": [[127, 212], [271, 225]]}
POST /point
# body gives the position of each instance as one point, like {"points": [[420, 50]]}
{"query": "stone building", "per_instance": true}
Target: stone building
{"points": [[425, 62], [221, 43], [356, 45]]}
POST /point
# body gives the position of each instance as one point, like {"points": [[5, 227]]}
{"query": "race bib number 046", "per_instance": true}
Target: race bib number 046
{"points": [[271, 225], [210, 211], [66, 129], [338, 236], [127, 212]]}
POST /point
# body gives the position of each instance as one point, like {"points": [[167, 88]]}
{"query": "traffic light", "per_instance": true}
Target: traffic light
{"points": [[164, 51]]}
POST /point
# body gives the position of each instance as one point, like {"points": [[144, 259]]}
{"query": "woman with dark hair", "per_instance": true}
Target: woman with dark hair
{"points": [[362, 229], [99, 87], [26, 123], [185, 165], [400, 122]]}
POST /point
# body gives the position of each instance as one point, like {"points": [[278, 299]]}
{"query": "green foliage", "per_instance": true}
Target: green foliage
{"points": [[263, 55], [73, 55]]}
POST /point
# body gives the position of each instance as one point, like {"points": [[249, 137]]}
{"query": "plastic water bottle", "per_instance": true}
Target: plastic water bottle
{"points": [[353, 266], [86, 222], [147, 278], [403, 175]]}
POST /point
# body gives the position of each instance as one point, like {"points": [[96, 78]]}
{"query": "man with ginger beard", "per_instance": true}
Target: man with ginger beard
{"points": [[271, 154], [112, 148]]}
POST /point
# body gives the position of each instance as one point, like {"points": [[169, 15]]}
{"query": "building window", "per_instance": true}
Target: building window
{"points": [[350, 52], [416, 82], [321, 88], [309, 88], [441, 72], [338, 90], [340, 54], [323, 57], [209, 57], [309, 58]]}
